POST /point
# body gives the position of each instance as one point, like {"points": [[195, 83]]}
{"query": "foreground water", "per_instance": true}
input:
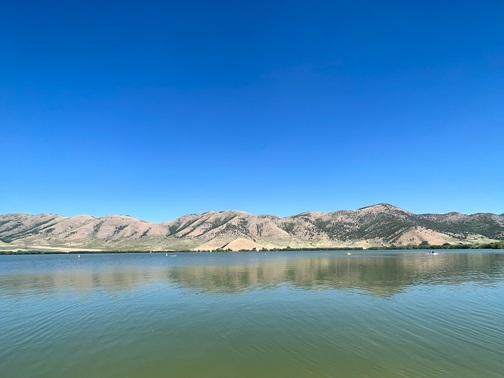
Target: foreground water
{"points": [[295, 314]]}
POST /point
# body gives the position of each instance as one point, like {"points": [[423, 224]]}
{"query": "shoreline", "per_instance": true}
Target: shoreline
{"points": [[73, 251]]}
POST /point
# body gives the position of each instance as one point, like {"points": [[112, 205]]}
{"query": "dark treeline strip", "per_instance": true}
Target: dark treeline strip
{"points": [[494, 245]]}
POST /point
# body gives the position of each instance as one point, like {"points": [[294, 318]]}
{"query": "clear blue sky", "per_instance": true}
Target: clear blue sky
{"points": [[157, 109]]}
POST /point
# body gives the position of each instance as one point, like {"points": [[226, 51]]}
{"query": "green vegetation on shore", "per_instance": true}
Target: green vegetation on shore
{"points": [[494, 245]]}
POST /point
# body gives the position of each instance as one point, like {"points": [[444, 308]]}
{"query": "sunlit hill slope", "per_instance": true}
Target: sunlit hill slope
{"points": [[380, 225]]}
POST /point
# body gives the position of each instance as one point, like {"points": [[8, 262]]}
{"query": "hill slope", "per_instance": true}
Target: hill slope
{"points": [[377, 225]]}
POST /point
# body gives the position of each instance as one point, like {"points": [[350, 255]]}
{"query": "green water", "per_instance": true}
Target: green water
{"points": [[296, 314]]}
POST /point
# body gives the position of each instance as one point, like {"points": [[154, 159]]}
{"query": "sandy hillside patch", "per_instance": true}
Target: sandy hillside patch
{"points": [[417, 235], [212, 245], [243, 244]]}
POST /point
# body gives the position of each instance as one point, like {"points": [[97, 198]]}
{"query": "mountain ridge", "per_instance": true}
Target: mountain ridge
{"points": [[379, 225]]}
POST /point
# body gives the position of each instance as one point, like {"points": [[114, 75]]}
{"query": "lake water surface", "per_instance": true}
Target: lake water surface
{"points": [[280, 314]]}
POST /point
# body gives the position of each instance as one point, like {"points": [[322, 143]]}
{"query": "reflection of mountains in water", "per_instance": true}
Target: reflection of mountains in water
{"points": [[382, 275]]}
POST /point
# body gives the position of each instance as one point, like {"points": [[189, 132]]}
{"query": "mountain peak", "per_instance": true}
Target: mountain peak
{"points": [[382, 207], [381, 224]]}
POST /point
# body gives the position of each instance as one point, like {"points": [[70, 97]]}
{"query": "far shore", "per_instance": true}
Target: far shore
{"points": [[36, 250]]}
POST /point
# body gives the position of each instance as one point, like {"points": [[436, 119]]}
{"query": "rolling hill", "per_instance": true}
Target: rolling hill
{"points": [[380, 225]]}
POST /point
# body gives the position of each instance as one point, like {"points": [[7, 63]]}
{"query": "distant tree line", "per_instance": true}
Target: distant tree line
{"points": [[493, 245]]}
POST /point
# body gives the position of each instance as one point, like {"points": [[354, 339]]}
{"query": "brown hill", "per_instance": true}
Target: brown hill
{"points": [[372, 226]]}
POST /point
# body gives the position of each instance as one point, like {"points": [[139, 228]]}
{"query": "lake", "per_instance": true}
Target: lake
{"points": [[255, 314]]}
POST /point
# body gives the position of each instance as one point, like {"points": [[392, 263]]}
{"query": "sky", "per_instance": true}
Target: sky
{"points": [[157, 109]]}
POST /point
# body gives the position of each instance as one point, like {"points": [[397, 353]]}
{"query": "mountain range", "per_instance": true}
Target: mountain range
{"points": [[381, 225]]}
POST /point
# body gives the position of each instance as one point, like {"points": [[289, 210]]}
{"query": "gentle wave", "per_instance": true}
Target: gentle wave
{"points": [[297, 316]]}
